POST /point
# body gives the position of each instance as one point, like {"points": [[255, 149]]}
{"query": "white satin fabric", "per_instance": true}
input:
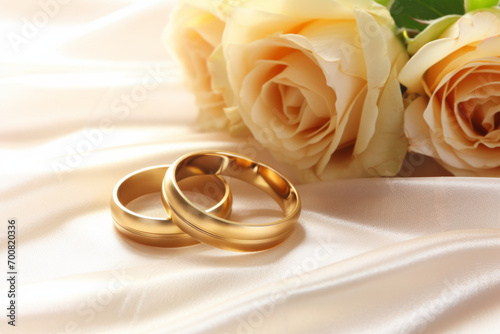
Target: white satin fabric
{"points": [[393, 255]]}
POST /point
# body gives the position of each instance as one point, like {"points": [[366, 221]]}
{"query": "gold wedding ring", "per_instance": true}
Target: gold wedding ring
{"points": [[221, 232], [160, 232]]}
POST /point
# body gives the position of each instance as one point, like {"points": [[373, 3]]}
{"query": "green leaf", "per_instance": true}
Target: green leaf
{"points": [[383, 2], [471, 5], [431, 32], [407, 12]]}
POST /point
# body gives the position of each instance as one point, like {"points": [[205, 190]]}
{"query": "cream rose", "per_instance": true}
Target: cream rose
{"points": [[195, 34], [316, 83], [456, 118]]}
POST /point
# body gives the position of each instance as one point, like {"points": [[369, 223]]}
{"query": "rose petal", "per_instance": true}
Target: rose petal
{"points": [[387, 147], [347, 127], [416, 128], [301, 93], [465, 57], [469, 29], [378, 68], [332, 43]]}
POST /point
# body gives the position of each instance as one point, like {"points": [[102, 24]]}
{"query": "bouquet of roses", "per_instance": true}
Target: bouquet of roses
{"points": [[345, 88]]}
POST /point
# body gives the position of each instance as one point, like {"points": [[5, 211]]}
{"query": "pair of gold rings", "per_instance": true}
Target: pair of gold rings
{"points": [[187, 223]]}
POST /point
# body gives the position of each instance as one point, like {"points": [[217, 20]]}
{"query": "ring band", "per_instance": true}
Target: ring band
{"points": [[221, 232], [161, 232]]}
